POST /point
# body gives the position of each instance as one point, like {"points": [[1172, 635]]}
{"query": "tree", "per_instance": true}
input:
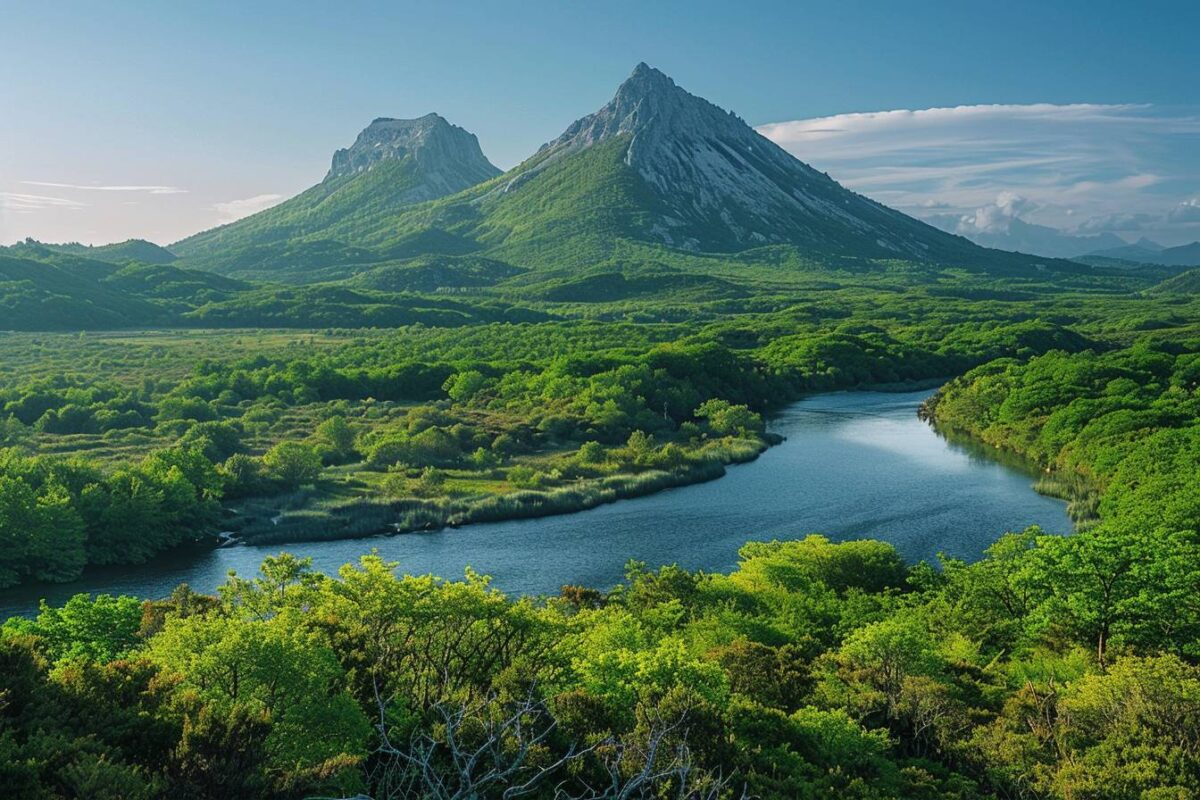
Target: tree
{"points": [[464, 385], [216, 440], [591, 453], [244, 476], [1132, 731], [877, 659], [221, 753], [282, 581], [100, 629], [639, 448], [726, 419], [56, 544], [292, 463], [335, 439], [127, 519], [430, 483], [493, 748], [276, 667], [18, 513], [1090, 583]]}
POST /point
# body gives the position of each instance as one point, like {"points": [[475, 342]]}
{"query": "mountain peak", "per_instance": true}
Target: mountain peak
{"points": [[431, 141], [720, 185], [649, 107], [646, 78]]}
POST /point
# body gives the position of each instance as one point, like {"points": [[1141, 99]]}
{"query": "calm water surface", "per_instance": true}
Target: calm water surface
{"points": [[855, 465]]}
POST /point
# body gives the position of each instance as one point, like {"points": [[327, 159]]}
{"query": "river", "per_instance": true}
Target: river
{"points": [[855, 465]]}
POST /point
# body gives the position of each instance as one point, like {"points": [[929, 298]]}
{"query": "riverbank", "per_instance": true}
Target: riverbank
{"points": [[360, 518], [1081, 495], [854, 465]]}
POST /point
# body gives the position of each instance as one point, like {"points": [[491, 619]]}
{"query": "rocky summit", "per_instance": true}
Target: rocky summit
{"points": [[448, 156]]}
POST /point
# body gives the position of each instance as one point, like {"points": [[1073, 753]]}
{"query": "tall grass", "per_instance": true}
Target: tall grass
{"points": [[1083, 499]]}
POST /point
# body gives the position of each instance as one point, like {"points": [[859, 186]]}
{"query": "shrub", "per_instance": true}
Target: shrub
{"points": [[726, 419], [526, 477], [591, 453], [292, 463]]}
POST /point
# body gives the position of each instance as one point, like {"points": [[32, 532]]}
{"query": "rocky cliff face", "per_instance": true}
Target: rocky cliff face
{"points": [[725, 186], [447, 156]]}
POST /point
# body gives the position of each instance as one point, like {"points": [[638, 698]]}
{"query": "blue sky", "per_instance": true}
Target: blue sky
{"points": [[151, 119]]}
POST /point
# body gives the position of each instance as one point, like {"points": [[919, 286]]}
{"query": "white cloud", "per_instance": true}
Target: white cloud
{"points": [[1187, 211], [16, 203], [234, 210], [996, 217], [795, 131], [1100, 163], [119, 188]]}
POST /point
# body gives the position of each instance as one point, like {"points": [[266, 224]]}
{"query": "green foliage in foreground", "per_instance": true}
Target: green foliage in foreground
{"points": [[814, 670]]}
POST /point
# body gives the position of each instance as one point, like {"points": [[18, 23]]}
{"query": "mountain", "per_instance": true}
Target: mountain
{"points": [[656, 170], [1142, 251], [1041, 240], [1185, 255], [1147, 252], [710, 182], [392, 164], [659, 166]]}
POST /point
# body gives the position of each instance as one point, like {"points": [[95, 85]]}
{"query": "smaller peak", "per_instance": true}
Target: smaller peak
{"points": [[431, 140]]}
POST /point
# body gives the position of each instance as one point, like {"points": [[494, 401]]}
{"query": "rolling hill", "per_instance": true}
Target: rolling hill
{"points": [[129, 251]]}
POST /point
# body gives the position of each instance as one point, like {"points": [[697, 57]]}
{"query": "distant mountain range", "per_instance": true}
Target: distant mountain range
{"points": [[1040, 240], [656, 167], [1147, 252]]}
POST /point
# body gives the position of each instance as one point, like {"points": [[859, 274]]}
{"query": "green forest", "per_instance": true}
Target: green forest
{"points": [[1056, 667]]}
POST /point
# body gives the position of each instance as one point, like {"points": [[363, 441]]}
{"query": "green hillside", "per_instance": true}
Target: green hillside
{"points": [[354, 208], [1185, 283], [119, 253], [47, 290], [68, 295], [435, 273]]}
